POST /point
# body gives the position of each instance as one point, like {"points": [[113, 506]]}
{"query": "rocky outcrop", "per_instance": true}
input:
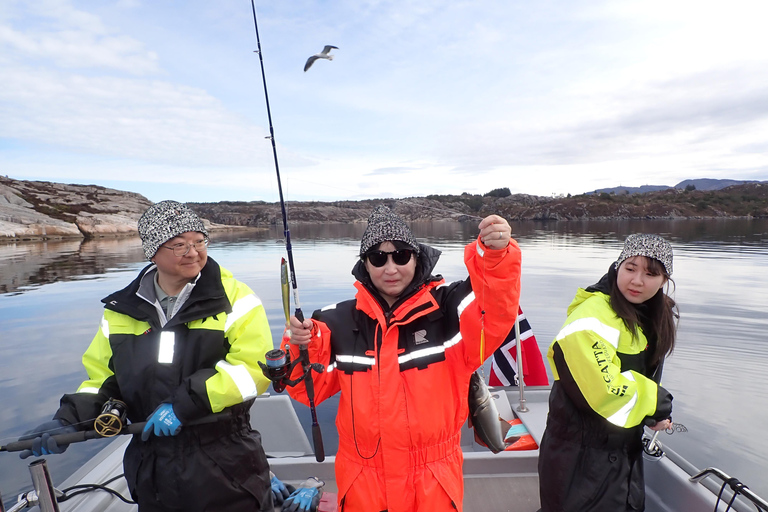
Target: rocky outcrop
{"points": [[34, 210]]}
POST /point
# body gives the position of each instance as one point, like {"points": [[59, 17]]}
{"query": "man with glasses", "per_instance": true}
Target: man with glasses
{"points": [[401, 354], [180, 346]]}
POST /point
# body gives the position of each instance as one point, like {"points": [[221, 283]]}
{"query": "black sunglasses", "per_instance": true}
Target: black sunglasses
{"points": [[379, 258]]}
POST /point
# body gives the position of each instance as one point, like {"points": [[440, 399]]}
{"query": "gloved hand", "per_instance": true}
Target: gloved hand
{"points": [[279, 490], [44, 444], [163, 421], [304, 500]]}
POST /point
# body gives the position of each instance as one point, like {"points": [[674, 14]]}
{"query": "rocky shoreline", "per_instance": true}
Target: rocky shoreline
{"points": [[40, 210]]}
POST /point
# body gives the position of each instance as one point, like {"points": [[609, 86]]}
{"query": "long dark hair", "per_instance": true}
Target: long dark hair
{"points": [[657, 316]]}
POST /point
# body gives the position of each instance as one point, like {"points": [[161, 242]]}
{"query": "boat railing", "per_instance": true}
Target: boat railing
{"points": [[738, 488]]}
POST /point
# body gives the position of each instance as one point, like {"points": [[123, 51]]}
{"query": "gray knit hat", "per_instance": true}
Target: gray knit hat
{"points": [[651, 246], [165, 220], [383, 225]]}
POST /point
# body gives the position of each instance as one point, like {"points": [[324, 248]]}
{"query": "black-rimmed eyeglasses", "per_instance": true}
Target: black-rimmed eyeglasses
{"points": [[182, 249], [379, 258]]}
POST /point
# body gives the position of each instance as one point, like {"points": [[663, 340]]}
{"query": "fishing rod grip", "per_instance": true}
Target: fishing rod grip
{"points": [[299, 314], [317, 440], [72, 437], [86, 435]]}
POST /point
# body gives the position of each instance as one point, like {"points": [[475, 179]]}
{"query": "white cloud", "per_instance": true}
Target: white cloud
{"points": [[466, 96], [56, 32]]}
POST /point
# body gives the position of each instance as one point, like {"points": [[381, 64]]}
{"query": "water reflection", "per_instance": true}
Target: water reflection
{"points": [[31, 264], [26, 265]]}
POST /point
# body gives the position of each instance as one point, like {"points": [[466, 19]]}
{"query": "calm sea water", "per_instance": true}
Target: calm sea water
{"points": [[50, 308]]}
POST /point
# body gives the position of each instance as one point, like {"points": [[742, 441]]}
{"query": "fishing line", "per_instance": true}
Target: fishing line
{"points": [[307, 367], [352, 404]]}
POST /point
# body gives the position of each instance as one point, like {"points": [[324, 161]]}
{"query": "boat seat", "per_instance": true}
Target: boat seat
{"points": [[281, 432]]}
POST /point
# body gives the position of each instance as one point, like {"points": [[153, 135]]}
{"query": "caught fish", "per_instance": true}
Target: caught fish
{"points": [[484, 416], [284, 287]]}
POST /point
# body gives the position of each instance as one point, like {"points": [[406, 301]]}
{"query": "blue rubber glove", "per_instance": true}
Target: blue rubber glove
{"points": [[44, 444], [279, 490], [304, 500], [163, 421]]}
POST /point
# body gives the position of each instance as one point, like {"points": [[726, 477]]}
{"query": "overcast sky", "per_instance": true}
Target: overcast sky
{"points": [[165, 98]]}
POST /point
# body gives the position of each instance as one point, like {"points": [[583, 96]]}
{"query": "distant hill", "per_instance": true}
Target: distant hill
{"points": [[629, 190], [35, 210], [699, 184], [711, 184]]}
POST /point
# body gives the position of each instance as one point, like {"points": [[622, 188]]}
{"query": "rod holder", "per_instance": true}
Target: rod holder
{"points": [[520, 379], [41, 480]]}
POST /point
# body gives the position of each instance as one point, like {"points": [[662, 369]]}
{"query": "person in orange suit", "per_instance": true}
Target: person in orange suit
{"points": [[401, 353]]}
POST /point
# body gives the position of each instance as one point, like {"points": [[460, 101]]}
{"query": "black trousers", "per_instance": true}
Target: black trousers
{"points": [[579, 477], [205, 468]]}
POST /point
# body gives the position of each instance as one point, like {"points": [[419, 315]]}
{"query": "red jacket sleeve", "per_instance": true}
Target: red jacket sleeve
{"points": [[486, 320]]}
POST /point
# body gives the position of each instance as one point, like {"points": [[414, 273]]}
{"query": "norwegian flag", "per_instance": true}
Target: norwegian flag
{"points": [[504, 360]]}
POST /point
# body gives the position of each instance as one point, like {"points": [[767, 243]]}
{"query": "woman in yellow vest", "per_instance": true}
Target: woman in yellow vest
{"points": [[606, 361]]}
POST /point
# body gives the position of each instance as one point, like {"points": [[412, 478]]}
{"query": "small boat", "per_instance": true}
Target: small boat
{"points": [[505, 481]]}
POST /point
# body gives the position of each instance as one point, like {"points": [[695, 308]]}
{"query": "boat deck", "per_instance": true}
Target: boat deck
{"points": [[503, 482], [506, 481]]}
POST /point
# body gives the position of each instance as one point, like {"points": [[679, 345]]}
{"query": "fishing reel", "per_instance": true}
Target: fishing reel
{"points": [[279, 366], [111, 420]]}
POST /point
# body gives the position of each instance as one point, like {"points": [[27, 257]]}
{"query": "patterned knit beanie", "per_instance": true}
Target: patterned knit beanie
{"points": [[165, 220], [383, 226], [651, 246]]}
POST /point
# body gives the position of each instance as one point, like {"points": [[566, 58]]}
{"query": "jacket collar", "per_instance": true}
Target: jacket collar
{"points": [[427, 260], [207, 297]]}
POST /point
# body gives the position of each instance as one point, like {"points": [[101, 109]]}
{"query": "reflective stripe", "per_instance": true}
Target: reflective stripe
{"points": [[621, 416], [167, 345], [430, 351], [424, 352], [329, 307], [94, 391], [368, 361], [242, 307], [105, 327], [480, 250], [606, 332], [465, 302], [241, 378], [451, 342]]}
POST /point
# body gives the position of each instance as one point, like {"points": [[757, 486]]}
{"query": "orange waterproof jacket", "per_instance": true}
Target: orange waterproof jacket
{"points": [[404, 376]]}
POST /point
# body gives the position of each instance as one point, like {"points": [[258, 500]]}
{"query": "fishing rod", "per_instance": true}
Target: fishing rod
{"points": [[307, 367], [111, 422], [73, 437]]}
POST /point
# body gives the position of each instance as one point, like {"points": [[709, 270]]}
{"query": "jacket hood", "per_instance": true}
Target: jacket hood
{"points": [[603, 286], [427, 259]]}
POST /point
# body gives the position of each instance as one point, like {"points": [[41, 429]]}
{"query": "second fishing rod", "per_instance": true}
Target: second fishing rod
{"points": [[278, 368]]}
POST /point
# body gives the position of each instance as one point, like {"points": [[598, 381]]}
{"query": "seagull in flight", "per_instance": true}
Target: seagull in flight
{"points": [[325, 54]]}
